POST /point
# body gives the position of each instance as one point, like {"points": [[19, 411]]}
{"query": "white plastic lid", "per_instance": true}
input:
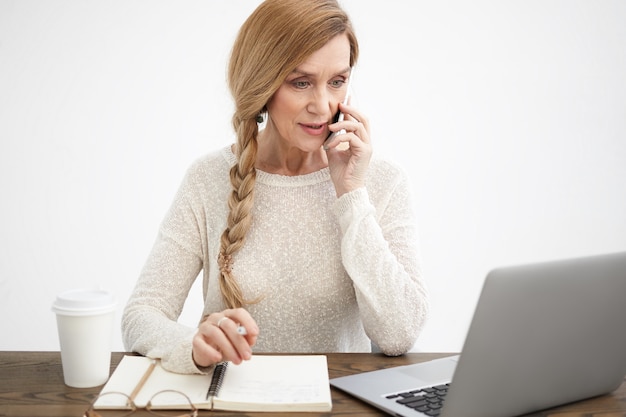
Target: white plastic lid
{"points": [[83, 302]]}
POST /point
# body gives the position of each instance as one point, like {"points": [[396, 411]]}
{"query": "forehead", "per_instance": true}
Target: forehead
{"points": [[334, 57]]}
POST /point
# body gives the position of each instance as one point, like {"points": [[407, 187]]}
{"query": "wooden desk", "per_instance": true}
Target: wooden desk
{"points": [[31, 385]]}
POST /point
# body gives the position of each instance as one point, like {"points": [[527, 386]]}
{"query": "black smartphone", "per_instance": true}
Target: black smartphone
{"points": [[335, 120], [339, 115]]}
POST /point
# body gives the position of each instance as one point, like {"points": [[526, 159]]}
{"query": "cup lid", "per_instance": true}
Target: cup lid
{"points": [[83, 302]]}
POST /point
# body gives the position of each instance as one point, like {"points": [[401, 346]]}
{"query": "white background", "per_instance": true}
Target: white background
{"points": [[509, 115]]}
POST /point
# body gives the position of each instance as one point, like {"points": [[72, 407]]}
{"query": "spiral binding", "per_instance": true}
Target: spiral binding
{"points": [[216, 380]]}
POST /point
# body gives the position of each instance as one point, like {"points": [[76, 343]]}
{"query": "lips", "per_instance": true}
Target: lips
{"points": [[314, 125], [314, 129]]}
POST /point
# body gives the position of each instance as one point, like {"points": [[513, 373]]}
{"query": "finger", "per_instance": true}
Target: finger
{"points": [[203, 353], [232, 346], [351, 125], [360, 131], [242, 331], [351, 113], [239, 316], [355, 136], [235, 344], [243, 319]]}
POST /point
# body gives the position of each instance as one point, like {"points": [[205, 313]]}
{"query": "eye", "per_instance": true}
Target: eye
{"points": [[300, 84], [338, 83]]}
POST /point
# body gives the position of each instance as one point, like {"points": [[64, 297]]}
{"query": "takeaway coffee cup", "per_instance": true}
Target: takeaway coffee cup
{"points": [[85, 326]]}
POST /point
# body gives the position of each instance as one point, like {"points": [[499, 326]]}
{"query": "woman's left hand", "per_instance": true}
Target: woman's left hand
{"points": [[349, 153]]}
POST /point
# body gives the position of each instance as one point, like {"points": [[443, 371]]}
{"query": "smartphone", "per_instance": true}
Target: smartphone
{"points": [[339, 115]]}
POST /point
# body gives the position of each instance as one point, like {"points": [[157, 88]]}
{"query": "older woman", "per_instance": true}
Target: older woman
{"points": [[305, 244]]}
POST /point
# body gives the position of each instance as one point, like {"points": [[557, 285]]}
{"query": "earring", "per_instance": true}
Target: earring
{"points": [[259, 118]]}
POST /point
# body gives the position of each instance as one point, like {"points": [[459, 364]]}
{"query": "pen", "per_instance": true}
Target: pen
{"points": [[242, 330]]}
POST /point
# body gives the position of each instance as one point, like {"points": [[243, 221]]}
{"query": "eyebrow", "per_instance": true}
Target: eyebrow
{"points": [[308, 74]]}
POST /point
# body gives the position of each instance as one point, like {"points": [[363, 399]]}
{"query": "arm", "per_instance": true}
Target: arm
{"points": [[379, 252], [149, 322], [181, 251]]}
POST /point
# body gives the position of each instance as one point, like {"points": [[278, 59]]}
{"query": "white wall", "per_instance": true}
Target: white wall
{"points": [[510, 116]]}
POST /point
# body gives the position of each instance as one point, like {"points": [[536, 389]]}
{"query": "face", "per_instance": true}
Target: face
{"points": [[303, 107]]}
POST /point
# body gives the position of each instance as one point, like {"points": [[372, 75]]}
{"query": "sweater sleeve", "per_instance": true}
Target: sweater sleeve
{"points": [[149, 321], [380, 253]]}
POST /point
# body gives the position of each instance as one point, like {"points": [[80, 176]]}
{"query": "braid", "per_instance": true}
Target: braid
{"points": [[272, 42], [240, 201]]}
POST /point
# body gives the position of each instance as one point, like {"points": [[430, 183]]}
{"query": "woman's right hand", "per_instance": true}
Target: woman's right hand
{"points": [[217, 338]]}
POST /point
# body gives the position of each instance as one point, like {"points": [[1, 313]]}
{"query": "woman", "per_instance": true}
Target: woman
{"points": [[307, 245]]}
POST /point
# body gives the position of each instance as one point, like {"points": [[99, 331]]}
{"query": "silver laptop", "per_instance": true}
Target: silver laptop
{"points": [[542, 335]]}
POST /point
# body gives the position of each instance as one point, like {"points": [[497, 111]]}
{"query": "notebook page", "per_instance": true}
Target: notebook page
{"points": [[298, 382]]}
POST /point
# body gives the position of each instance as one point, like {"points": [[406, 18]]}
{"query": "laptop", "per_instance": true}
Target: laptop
{"points": [[542, 335]]}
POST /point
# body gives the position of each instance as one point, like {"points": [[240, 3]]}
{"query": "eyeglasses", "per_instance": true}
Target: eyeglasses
{"points": [[113, 402]]}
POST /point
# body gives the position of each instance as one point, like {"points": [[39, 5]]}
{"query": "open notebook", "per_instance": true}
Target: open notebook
{"points": [[542, 335], [274, 383]]}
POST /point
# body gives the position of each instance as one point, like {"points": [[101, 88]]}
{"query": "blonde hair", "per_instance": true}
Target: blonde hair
{"points": [[277, 37]]}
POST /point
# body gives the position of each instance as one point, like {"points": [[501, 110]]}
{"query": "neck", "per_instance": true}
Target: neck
{"points": [[278, 157]]}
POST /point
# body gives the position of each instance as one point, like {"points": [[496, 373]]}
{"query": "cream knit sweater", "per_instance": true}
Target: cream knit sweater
{"points": [[332, 272]]}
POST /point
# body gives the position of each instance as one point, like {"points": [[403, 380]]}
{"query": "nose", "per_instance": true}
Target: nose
{"points": [[320, 102]]}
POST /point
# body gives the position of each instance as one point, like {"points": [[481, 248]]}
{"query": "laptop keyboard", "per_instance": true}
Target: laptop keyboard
{"points": [[426, 400]]}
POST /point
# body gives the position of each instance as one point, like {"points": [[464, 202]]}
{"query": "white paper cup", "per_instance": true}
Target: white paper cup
{"points": [[85, 325]]}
